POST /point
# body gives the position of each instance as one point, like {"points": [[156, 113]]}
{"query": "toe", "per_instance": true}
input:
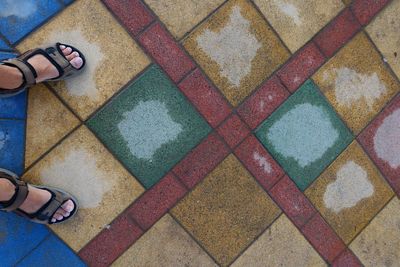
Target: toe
{"points": [[66, 51], [68, 206], [77, 62], [72, 56], [58, 216]]}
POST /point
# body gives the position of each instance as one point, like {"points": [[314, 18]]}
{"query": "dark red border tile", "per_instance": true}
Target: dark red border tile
{"points": [[211, 104], [337, 33], [263, 102], [248, 151], [202, 160], [292, 201], [132, 13], [366, 138], [233, 130], [365, 10], [166, 52], [347, 259], [111, 243], [323, 238], [301, 66], [156, 201]]}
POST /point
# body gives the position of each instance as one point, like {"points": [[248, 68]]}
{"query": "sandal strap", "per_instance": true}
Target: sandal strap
{"points": [[28, 72], [21, 193]]}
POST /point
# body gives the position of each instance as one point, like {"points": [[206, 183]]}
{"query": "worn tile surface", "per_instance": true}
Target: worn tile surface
{"points": [[350, 192], [166, 244], [220, 211], [297, 21], [379, 243], [180, 16], [82, 166], [304, 135], [237, 49], [281, 245], [150, 126], [357, 83], [48, 121], [111, 63]]}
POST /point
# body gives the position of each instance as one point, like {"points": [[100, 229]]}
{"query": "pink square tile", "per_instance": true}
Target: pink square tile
{"points": [[259, 162], [365, 10], [263, 102], [233, 130], [211, 104]]}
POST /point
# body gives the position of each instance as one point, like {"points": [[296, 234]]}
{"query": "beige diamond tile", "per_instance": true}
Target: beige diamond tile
{"points": [[113, 58], [82, 166]]}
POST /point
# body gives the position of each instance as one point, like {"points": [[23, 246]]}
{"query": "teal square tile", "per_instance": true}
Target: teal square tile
{"points": [[150, 126], [304, 135]]}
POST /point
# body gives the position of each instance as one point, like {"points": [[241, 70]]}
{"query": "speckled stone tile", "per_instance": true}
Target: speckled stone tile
{"points": [[48, 121], [304, 135], [383, 31], [350, 192], [112, 55], [82, 166], [296, 21], [150, 126], [226, 211], [237, 49], [180, 16], [379, 243], [280, 245], [165, 244], [357, 83]]}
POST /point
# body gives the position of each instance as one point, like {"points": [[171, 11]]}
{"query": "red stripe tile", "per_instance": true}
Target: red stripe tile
{"points": [[365, 10], [132, 13], [301, 66], [323, 238], [211, 104], [292, 201], [111, 243], [233, 130], [347, 259], [263, 102], [337, 33], [166, 52], [203, 159], [155, 202], [259, 162]]}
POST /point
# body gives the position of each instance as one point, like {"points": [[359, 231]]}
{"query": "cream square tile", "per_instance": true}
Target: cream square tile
{"points": [[113, 58], [82, 166]]}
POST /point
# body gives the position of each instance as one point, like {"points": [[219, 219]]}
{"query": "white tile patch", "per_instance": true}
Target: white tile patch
{"points": [[262, 162], [349, 188], [83, 84], [289, 10], [147, 127], [4, 137], [387, 140], [233, 47], [304, 133], [19, 8], [78, 174], [351, 87]]}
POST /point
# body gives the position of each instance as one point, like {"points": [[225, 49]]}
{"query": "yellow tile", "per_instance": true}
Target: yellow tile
{"points": [[237, 49], [113, 58], [350, 192], [82, 166], [48, 121], [165, 244], [280, 245], [297, 21], [180, 16], [379, 243], [384, 31], [226, 211], [357, 83]]}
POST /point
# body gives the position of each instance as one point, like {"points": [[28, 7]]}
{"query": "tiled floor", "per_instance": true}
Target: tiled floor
{"points": [[210, 133]]}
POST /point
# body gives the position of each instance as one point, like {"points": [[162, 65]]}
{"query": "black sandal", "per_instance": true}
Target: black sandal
{"points": [[46, 212], [56, 57]]}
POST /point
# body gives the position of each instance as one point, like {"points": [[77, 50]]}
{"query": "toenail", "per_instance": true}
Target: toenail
{"points": [[62, 46]]}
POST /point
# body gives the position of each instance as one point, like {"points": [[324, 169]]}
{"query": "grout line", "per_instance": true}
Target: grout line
{"points": [[32, 250]]}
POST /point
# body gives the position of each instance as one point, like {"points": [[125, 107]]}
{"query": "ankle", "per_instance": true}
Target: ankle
{"points": [[14, 77], [7, 190]]}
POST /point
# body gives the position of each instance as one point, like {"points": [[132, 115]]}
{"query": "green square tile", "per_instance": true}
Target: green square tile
{"points": [[304, 135], [150, 126]]}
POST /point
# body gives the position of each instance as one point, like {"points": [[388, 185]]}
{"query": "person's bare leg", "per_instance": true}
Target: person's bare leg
{"points": [[11, 78]]}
